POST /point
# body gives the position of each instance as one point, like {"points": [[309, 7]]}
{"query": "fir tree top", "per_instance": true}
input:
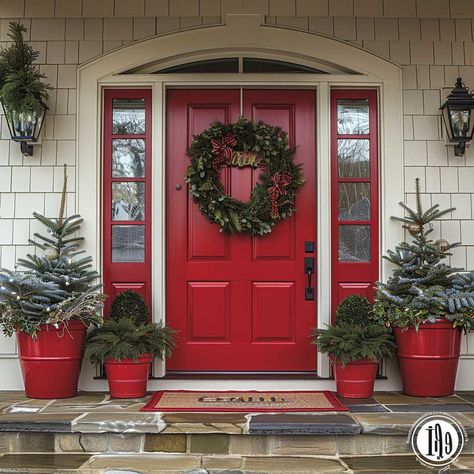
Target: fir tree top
{"points": [[58, 256], [416, 219]]}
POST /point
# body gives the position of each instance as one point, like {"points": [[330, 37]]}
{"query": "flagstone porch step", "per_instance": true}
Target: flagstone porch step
{"points": [[286, 423], [90, 431], [191, 464], [385, 414]]}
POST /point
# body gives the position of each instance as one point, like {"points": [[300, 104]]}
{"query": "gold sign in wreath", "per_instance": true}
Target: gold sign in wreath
{"points": [[242, 144]]}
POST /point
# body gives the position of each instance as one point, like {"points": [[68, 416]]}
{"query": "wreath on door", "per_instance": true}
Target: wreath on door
{"points": [[244, 144]]}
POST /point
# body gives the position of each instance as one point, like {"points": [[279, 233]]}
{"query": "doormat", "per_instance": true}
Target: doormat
{"points": [[243, 401]]}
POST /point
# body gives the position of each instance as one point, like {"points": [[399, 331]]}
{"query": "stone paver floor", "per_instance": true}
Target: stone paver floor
{"points": [[31, 431], [97, 412]]}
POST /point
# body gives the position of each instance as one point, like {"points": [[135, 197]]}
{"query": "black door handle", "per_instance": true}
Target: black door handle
{"points": [[309, 270]]}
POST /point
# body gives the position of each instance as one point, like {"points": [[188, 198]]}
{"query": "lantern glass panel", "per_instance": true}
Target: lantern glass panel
{"points": [[460, 122], [24, 126], [447, 123]]}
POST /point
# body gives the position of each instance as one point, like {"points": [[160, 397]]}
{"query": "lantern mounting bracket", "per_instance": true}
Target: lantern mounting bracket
{"points": [[460, 149], [26, 149]]}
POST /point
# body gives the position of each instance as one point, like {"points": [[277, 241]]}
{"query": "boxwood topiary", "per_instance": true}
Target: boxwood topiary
{"points": [[131, 305], [355, 310]]}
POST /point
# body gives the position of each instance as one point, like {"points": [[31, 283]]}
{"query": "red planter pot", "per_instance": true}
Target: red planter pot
{"points": [[128, 378], [51, 362], [428, 358], [356, 379]]}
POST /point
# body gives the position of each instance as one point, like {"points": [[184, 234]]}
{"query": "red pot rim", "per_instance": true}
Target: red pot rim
{"points": [[141, 360], [356, 362], [61, 331], [72, 325], [427, 325]]}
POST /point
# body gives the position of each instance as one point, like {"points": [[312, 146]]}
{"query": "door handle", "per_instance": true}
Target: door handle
{"points": [[309, 270]]}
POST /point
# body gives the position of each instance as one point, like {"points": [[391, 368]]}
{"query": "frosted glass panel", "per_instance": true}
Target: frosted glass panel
{"points": [[128, 243], [128, 158], [128, 201], [353, 116], [128, 116], [353, 158], [354, 201], [354, 243]]}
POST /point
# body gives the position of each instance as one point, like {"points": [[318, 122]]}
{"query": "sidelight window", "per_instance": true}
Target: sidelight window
{"points": [[354, 193], [127, 192]]}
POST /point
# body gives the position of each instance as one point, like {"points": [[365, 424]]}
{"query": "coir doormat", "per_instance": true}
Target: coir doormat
{"points": [[243, 401]]}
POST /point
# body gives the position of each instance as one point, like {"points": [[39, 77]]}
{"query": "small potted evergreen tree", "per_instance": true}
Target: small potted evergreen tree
{"points": [[356, 345], [427, 303], [126, 345], [50, 305]]}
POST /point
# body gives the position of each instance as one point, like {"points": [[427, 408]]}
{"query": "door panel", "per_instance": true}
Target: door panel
{"points": [[273, 312], [209, 311], [238, 301]]}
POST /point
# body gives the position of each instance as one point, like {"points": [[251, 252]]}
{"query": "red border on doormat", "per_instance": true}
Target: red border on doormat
{"points": [[156, 397]]}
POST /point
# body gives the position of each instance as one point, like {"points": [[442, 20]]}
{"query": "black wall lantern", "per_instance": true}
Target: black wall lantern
{"points": [[24, 127], [457, 117]]}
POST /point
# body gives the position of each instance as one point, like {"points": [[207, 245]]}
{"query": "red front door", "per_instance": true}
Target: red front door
{"points": [[238, 302]]}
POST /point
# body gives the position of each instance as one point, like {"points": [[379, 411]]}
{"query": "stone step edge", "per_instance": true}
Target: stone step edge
{"points": [[317, 425]]}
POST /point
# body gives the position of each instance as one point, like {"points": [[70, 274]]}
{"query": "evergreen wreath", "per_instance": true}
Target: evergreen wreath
{"points": [[242, 144]]}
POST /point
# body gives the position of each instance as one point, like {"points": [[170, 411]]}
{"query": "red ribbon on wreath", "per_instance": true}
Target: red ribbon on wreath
{"points": [[223, 149], [280, 181]]}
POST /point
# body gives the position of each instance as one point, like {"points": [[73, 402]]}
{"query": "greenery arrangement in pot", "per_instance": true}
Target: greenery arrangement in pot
{"points": [[23, 92], [50, 305], [126, 345], [356, 344], [427, 303]]}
